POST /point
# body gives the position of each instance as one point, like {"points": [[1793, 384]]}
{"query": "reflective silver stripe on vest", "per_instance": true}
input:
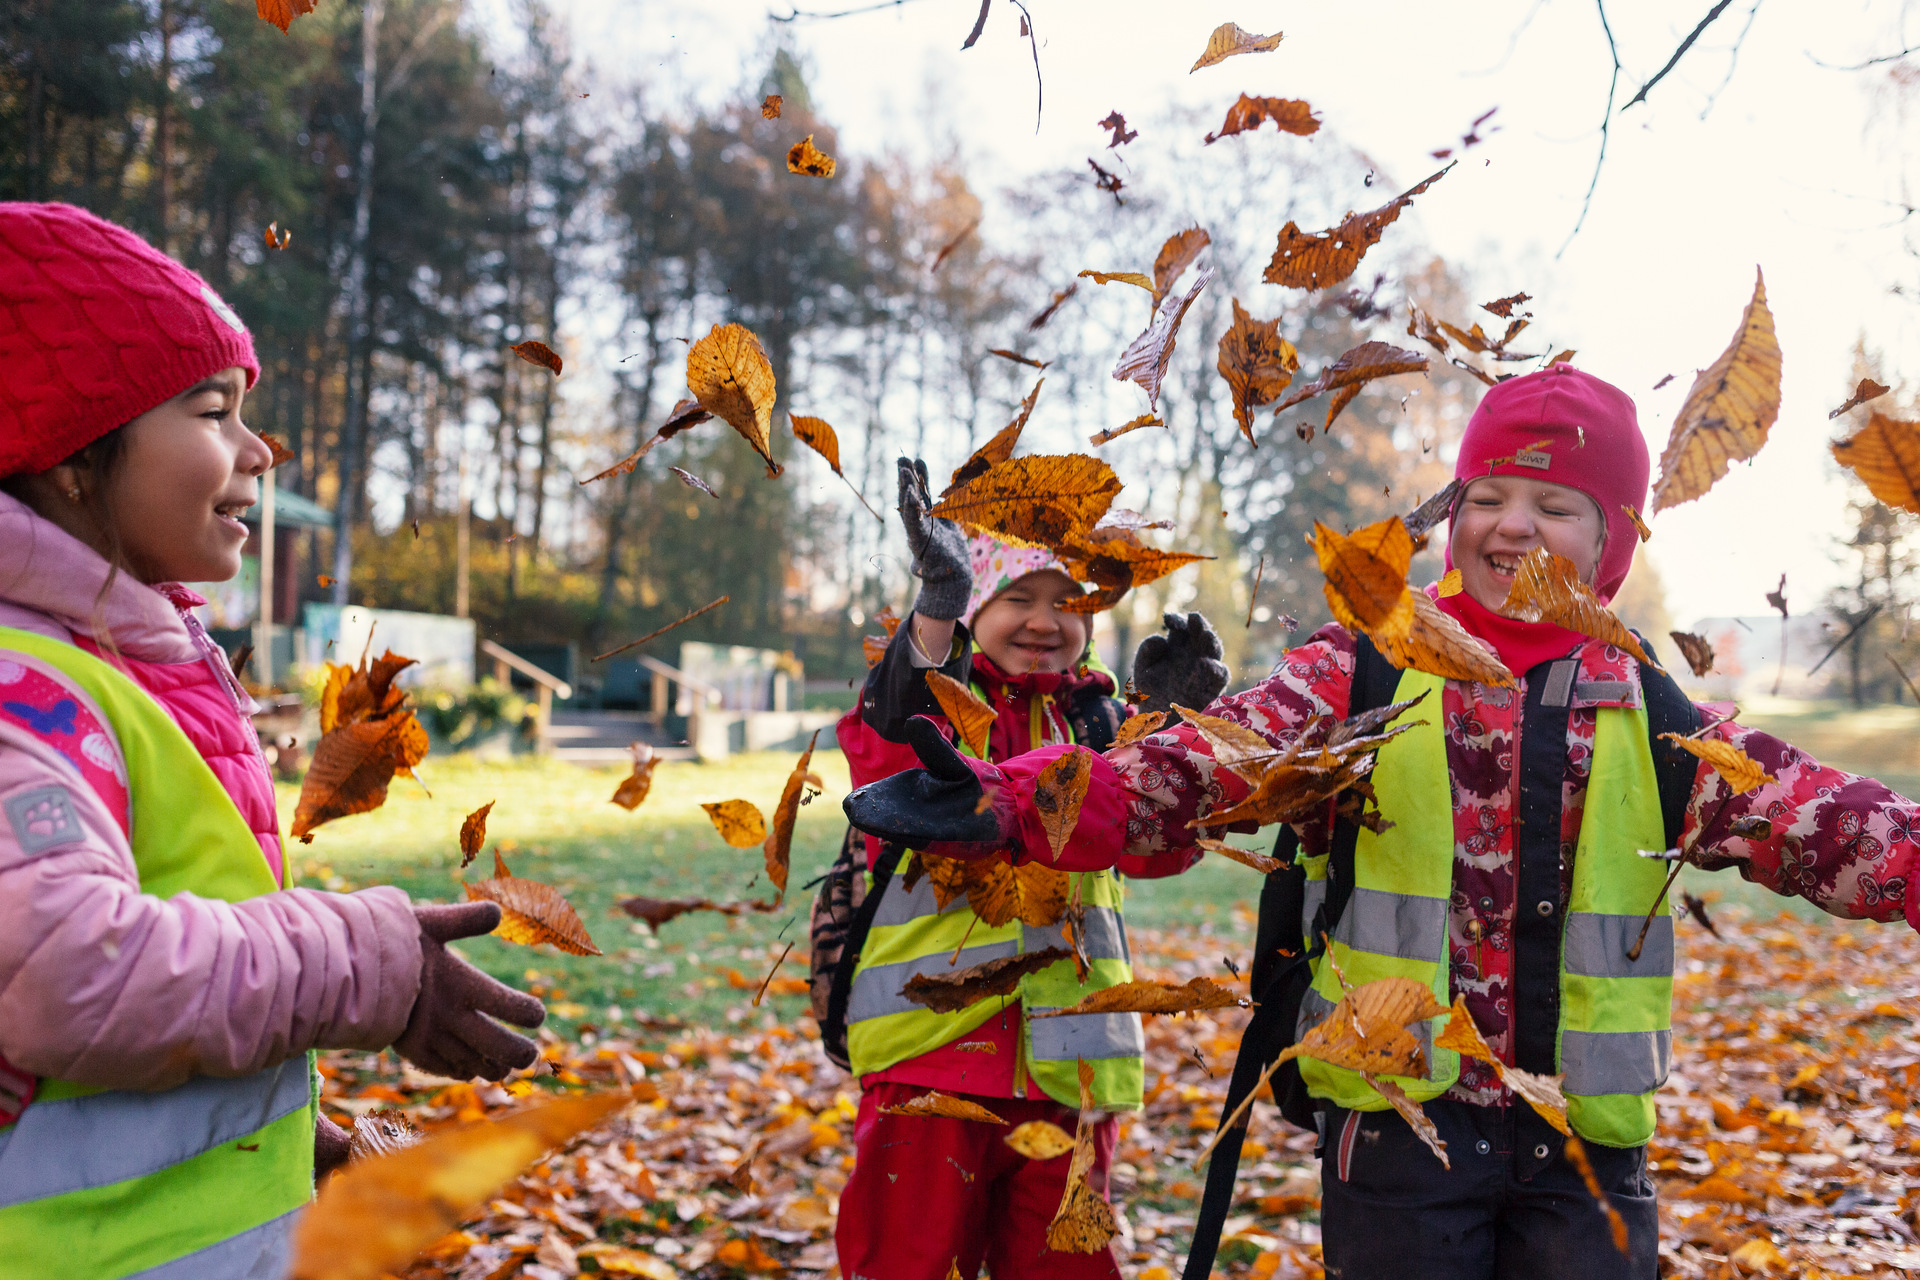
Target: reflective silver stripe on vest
{"points": [[1596, 946], [1314, 894], [1106, 936], [71, 1144], [1599, 1062], [1394, 924], [900, 907], [1315, 1007], [876, 990], [1086, 1035], [263, 1253]]}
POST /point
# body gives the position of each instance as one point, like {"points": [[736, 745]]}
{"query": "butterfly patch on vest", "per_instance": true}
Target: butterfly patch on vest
{"points": [[43, 818]]}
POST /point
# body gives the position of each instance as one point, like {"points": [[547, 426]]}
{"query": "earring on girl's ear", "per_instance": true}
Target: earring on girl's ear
{"points": [[73, 493]]}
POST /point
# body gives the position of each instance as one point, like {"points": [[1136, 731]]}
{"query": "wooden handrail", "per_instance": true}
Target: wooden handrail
{"points": [[527, 669]]}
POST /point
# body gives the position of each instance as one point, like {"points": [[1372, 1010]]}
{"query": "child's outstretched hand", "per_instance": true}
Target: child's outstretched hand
{"points": [[939, 548], [449, 1032], [936, 808], [1181, 666]]}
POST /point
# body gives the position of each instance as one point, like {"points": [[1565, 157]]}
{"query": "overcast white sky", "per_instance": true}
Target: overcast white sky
{"points": [[1795, 168]]}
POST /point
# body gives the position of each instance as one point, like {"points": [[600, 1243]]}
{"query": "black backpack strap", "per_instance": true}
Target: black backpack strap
{"points": [[834, 1032], [1669, 710], [1280, 974]]}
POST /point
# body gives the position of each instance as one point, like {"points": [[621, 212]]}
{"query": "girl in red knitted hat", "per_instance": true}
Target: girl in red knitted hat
{"points": [[1512, 878], [161, 984]]}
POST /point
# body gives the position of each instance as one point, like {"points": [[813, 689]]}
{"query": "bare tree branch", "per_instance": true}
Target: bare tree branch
{"points": [[1606, 121], [1733, 60], [1033, 38], [794, 15], [1679, 53], [1870, 62], [979, 25]]}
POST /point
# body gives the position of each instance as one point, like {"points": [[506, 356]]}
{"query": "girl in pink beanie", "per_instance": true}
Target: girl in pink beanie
{"points": [[1512, 876], [162, 985]]}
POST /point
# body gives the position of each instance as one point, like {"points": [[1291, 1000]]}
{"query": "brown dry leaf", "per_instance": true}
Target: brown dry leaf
{"points": [[1017, 358], [1234, 746], [999, 892], [739, 822], [1885, 454], [1084, 1223], [951, 992], [1639, 523], [381, 1133], [1729, 409], [1292, 115], [1114, 559], [1366, 583], [1313, 261], [1867, 390], [692, 481], [779, 845], [281, 13], [770, 108], [281, 454], [1345, 376], [818, 435], [732, 379], [1120, 277], [1175, 256], [657, 911], [1138, 727], [1742, 772], [1228, 39], [1695, 649], [532, 912], [1437, 644], [947, 249], [805, 158], [948, 876], [1257, 363], [1547, 588], [970, 717], [634, 787], [1152, 997], [1245, 857], [377, 1215], [473, 834], [1058, 792], [1542, 1093], [1410, 1112], [1503, 307], [1059, 300], [1367, 1030], [935, 1103], [538, 353], [1145, 359], [366, 736], [1036, 500], [1114, 433], [1039, 1140], [999, 448], [685, 413]]}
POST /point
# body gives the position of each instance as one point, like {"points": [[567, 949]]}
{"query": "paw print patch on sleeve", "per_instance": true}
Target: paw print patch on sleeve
{"points": [[43, 818]]}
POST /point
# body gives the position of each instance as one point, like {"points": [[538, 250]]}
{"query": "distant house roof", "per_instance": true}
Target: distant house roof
{"points": [[290, 510]]}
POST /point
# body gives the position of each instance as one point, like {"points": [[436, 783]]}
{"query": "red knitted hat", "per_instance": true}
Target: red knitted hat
{"points": [[1569, 428], [96, 327]]}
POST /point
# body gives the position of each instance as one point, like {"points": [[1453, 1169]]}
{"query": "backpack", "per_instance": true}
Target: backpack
{"points": [[843, 912], [1283, 951]]}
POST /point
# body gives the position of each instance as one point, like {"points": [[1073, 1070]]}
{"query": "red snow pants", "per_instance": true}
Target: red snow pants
{"points": [[928, 1193]]}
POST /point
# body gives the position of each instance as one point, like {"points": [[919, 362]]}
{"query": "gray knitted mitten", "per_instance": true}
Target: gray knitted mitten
{"points": [[939, 549], [1181, 666]]}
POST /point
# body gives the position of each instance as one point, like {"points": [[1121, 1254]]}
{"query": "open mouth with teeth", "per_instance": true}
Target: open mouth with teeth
{"points": [[1504, 566], [231, 512]]}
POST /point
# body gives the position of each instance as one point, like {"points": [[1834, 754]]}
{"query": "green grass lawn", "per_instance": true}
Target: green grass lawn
{"points": [[554, 822]]}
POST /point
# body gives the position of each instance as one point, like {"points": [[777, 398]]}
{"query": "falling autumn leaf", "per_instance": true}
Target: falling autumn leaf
{"points": [[1116, 125], [1151, 997], [1366, 575], [1017, 358], [945, 1106], [770, 108], [1138, 727], [381, 1133], [1047, 312], [1437, 644], [1036, 500], [1084, 1222], [1291, 115], [730, 376], [970, 717], [366, 736], [956, 989], [1695, 649], [1324, 759], [1345, 376], [1114, 433], [1540, 1092], [1503, 307], [473, 834], [325, 580], [1245, 857], [1115, 560], [694, 482], [1638, 522], [276, 238], [634, 787], [999, 447], [1176, 255], [281, 454], [281, 13], [532, 912], [1228, 39], [1145, 359], [1547, 588], [1120, 277], [805, 158], [1107, 181], [1742, 772], [1234, 746], [818, 435], [739, 822], [538, 353], [657, 911], [1040, 1139], [779, 842], [685, 413], [1257, 363], [1313, 261], [1885, 454], [951, 245], [1367, 1030], [1417, 1119], [999, 893], [1058, 792], [1729, 409], [1867, 390]]}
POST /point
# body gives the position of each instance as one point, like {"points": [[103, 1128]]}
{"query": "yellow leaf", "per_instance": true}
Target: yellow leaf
{"points": [[817, 434], [1138, 727], [935, 1103], [1366, 574], [1547, 588], [1257, 363], [1450, 584], [1728, 411], [969, 715], [1000, 893], [1039, 1140], [1437, 644], [1058, 792], [730, 375], [805, 158], [1885, 454], [1742, 772], [1121, 277], [1245, 857], [1542, 1093], [1366, 1031], [779, 844], [739, 822], [1036, 500], [770, 107], [532, 912], [1228, 39], [1084, 1223], [1234, 746], [1759, 1255], [1639, 524]]}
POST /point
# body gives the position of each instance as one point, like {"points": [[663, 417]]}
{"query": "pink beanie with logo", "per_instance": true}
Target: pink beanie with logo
{"points": [[96, 327]]}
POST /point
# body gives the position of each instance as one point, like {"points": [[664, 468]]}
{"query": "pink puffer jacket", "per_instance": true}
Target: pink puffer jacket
{"points": [[100, 983]]}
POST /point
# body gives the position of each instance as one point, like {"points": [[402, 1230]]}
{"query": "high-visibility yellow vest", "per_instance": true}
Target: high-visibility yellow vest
{"points": [[1615, 1040], [198, 1182], [912, 935]]}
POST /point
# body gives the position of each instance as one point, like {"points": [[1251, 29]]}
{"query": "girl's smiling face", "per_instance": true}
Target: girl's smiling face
{"points": [[1501, 518], [1024, 629]]}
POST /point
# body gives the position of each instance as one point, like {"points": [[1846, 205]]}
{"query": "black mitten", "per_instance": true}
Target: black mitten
{"points": [[938, 808], [1181, 666]]}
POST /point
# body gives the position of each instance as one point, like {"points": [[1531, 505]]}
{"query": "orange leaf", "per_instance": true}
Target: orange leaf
{"points": [[1695, 649], [1245, 857], [1257, 363], [1366, 574], [1291, 115], [1039, 1140], [1175, 256], [730, 376], [1729, 409], [1138, 727], [634, 787], [1542, 1093], [281, 13], [1885, 454], [1058, 792], [1145, 359], [817, 434], [352, 767], [1366, 1031], [1345, 376], [532, 912], [1867, 390], [281, 454], [1032, 893], [1638, 522], [538, 353], [770, 108], [1120, 277], [1410, 1111], [473, 834], [998, 449], [779, 845], [1036, 500], [739, 822], [1084, 1223], [1114, 433], [952, 991], [1151, 997], [934, 1103], [1314, 261], [1742, 772], [1437, 644], [1547, 588], [805, 158], [1228, 39], [965, 711]]}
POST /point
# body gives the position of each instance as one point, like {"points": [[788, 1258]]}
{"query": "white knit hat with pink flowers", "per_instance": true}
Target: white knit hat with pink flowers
{"points": [[998, 565]]}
